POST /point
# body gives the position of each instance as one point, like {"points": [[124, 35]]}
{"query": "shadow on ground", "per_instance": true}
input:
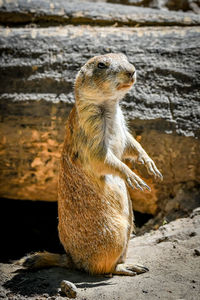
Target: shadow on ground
{"points": [[47, 281]]}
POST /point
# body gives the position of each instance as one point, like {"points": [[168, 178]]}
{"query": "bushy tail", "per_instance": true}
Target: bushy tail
{"points": [[41, 260]]}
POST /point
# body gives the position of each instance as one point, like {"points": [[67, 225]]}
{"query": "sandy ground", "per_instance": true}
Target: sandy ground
{"points": [[172, 254]]}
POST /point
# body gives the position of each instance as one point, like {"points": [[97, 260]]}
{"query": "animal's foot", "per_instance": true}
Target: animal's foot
{"points": [[129, 269]]}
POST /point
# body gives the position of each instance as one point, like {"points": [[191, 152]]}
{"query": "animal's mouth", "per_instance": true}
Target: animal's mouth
{"points": [[124, 86]]}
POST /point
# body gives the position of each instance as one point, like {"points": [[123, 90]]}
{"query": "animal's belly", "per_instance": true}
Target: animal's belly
{"points": [[118, 185], [92, 210]]}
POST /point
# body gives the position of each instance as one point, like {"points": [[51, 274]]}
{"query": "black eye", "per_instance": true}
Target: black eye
{"points": [[101, 65]]}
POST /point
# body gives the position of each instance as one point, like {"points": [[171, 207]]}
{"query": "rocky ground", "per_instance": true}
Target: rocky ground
{"points": [[172, 254]]}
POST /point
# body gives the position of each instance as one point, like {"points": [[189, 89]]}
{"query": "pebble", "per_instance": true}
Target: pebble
{"points": [[68, 288]]}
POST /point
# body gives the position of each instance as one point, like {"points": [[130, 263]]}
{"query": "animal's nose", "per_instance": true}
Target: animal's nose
{"points": [[130, 74]]}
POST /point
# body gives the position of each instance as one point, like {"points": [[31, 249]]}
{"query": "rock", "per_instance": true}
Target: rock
{"points": [[60, 12], [38, 67], [37, 71], [184, 5], [195, 212], [68, 288]]}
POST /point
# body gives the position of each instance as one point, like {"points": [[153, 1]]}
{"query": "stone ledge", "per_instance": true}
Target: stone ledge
{"points": [[37, 70], [41, 64], [44, 13]]}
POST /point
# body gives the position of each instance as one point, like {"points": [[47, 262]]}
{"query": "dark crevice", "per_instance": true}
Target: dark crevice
{"points": [[12, 19], [28, 226], [141, 218]]}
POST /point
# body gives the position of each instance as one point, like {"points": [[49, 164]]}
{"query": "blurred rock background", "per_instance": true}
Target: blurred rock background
{"points": [[43, 43]]}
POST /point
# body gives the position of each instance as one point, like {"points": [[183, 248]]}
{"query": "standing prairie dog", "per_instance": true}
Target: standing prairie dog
{"points": [[95, 212]]}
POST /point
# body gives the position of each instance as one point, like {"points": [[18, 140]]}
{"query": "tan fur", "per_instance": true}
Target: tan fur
{"points": [[95, 212]]}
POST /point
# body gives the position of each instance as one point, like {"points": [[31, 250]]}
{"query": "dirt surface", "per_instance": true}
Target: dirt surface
{"points": [[172, 254]]}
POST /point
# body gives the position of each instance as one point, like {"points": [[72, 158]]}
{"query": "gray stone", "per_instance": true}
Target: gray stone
{"points": [[62, 12], [183, 5], [41, 64], [69, 289]]}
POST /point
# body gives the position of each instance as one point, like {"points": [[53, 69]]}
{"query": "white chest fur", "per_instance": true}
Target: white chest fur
{"points": [[115, 138], [115, 130]]}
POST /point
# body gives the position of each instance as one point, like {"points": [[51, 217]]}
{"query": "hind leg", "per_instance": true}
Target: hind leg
{"points": [[124, 253], [130, 229], [128, 269]]}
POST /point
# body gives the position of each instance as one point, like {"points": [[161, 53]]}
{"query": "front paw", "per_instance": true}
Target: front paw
{"points": [[135, 181], [150, 165]]}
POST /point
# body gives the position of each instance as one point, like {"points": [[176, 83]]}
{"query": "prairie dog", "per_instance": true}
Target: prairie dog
{"points": [[95, 212]]}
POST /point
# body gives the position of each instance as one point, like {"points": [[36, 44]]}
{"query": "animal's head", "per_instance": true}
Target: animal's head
{"points": [[105, 77]]}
